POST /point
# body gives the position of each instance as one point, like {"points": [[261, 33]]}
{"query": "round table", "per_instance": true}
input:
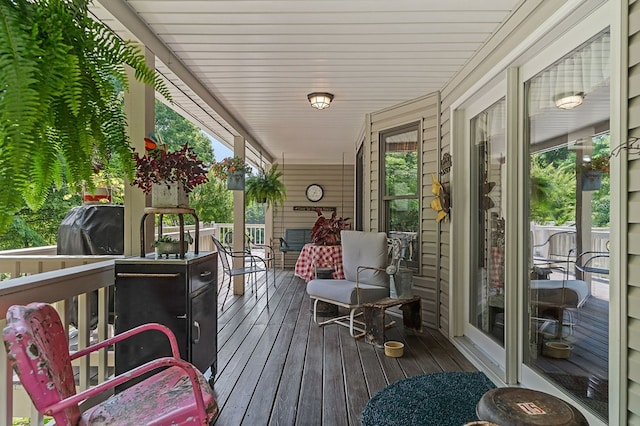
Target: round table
{"points": [[313, 256], [326, 263], [519, 406]]}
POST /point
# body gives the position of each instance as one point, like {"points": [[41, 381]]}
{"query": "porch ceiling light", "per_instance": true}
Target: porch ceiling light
{"points": [[320, 100], [569, 100]]}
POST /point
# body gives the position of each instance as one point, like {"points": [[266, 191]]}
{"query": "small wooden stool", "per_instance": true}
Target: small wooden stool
{"points": [[374, 317], [519, 406]]}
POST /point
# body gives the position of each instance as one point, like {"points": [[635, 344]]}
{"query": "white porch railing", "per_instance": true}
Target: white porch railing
{"points": [[563, 243], [218, 230], [57, 287], [40, 275]]}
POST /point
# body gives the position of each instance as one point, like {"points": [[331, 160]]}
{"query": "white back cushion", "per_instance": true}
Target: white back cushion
{"points": [[365, 249]]}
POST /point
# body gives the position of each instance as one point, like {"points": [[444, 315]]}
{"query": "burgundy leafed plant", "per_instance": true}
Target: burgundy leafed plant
{"points": [[158, 166], [327, 231]]}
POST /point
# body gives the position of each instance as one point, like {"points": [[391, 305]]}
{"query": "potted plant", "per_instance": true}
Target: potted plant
{"points": [[171, 175], [62, 79], [327, 231], [266, 187], [166, 245], [233, 170]]}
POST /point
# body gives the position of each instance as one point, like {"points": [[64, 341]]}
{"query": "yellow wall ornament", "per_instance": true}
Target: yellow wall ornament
{"points": [[442, 201]]}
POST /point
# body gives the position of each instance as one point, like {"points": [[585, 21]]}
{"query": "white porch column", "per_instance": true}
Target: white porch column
{"points": [[238, 221], [139, 107]]}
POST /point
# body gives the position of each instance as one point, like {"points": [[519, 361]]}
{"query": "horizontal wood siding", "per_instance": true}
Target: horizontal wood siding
{"points": [[423, 110], [338, 184]]}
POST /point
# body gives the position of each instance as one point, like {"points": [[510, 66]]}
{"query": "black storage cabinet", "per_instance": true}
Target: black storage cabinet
{"points": [[178, 293]]}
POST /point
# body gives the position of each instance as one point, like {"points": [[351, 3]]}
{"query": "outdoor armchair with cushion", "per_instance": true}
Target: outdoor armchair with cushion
{"points": [[364, 257]]}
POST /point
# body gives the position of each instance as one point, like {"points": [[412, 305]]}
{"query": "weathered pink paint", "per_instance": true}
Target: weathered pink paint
{"points": [[38, 350]]}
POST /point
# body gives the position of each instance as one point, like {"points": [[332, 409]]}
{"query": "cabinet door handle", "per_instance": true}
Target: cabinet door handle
{"points": [[182, 316], [205, 274], [139, 275], [196, 324]]}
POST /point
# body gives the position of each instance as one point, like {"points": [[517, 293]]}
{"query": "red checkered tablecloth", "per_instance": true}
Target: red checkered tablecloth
{"points": [[314, 256]]}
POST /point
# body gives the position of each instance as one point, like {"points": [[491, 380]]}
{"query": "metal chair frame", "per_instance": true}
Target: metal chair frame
{"points": [[38, 350], [255, 264]]}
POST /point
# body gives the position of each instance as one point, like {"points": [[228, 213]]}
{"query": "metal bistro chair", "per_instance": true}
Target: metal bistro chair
{"points": [[38, 350], [255, 264], [228, 241], [250, 246]]}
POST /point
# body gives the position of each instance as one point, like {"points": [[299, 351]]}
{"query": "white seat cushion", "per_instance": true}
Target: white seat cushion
{"points": [[344, 291]]}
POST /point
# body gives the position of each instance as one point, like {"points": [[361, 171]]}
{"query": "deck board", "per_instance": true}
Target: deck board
{"points": [[586, 370], [277, 367]]}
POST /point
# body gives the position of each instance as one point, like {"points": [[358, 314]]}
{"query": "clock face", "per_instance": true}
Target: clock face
{"points": [[314, 192]]}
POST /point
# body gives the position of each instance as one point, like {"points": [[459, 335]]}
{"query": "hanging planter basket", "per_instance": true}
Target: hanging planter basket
{"points": [[591, 180], [235, 181], [169, 196]]}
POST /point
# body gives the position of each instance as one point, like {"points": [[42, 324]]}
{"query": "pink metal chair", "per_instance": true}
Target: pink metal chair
{"points": [[38, 350]]}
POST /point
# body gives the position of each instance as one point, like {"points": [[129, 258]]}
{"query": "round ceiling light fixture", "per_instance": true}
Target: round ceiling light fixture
{"points": [[320, 100], [569, 100]]}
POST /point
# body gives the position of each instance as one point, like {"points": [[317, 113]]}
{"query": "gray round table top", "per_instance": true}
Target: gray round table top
{"points": [[517, 406]]}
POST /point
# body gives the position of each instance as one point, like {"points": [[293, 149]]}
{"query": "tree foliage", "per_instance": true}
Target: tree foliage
{"points": [[39, 228], [176, 131], [60, 107], [553, 186], [212, 201]]}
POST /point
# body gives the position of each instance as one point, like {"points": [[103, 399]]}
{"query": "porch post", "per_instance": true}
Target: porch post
{"points": [[583, 198], [139, 108], [238, 221]]}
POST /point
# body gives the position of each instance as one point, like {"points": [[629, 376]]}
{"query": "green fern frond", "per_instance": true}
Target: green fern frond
{"points": [[19, 99], [60, 74]]}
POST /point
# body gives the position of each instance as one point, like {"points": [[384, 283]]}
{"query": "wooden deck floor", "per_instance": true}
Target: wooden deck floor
{"points": [[276, 366], [585, 374]]}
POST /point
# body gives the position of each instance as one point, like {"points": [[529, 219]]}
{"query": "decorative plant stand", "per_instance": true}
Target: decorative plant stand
{"points": [[175, 210], [374, 317], [235, 181]]}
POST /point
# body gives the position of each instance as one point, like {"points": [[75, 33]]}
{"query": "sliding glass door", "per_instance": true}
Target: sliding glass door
{"points": [[567, 293], [486, 156]]}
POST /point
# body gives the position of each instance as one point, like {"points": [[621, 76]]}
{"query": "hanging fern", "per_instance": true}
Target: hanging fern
{"points": [[61, 108]]}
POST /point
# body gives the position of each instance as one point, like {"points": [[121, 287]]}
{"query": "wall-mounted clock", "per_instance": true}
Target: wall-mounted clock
{"points": [[314, 192]]}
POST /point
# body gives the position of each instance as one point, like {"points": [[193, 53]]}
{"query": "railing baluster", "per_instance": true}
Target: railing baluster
{"points": [[103, 327], [6, 384], [37, 419], [84, 331]]}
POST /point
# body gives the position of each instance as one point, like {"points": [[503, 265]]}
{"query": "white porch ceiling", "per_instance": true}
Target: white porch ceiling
{"points": [[245, 67]]}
